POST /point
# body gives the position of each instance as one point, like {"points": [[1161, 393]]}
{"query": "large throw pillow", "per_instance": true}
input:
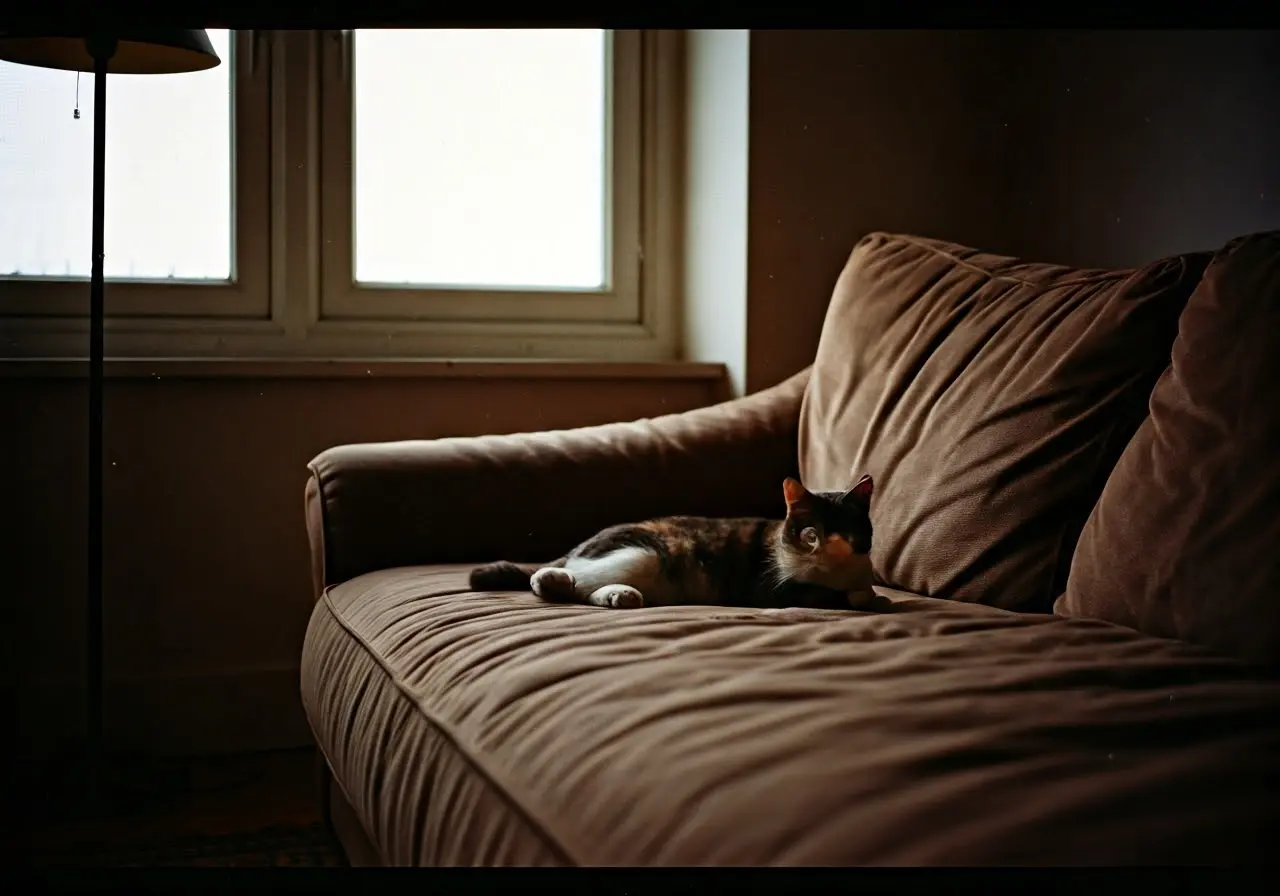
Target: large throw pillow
{"points": [[989, 398], [1185, 540]]}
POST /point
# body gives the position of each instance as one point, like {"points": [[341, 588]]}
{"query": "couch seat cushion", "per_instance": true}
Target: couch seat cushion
{"points": [[484, 729]]}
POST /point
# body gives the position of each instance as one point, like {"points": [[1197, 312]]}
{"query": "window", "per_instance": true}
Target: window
{"points": [[185, 184], [383, 193], [480, 159]]}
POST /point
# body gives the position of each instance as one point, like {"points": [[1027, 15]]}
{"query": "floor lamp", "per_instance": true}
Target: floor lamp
{"points": [[138, 52]]}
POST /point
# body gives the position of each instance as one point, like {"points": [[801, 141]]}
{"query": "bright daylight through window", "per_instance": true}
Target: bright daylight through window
{"points": [[401, 193], [480, 158], [168, 173]]}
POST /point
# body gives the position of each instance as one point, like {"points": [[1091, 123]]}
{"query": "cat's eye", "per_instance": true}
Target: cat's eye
{"points": [[809, 538]]}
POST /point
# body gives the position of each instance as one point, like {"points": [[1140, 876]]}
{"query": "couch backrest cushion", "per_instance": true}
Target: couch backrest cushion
{"points": [[989, 397], [1185, 540]]}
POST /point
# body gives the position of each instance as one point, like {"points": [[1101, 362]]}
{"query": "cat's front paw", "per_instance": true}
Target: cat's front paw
{"points": [[552, 583], [618, 597]]}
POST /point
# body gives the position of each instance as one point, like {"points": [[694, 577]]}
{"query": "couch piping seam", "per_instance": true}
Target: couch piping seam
{"points": [[324, 527], [538, 826]]}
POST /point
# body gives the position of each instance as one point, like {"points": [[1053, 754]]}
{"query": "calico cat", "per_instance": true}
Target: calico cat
{"points": [[818, 557]]}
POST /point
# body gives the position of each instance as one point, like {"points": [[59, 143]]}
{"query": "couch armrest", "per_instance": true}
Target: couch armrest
{"points": [[532, 496]]}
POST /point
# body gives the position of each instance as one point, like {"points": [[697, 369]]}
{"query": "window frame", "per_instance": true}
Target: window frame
{"points": [[245, 293], [284, 302]]}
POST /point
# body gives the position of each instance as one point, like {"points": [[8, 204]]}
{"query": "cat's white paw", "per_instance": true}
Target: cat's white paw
{"points": [[552, 582], [619, 597]]}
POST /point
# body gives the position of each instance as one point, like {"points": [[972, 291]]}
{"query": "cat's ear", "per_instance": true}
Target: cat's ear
{"points": [[793, 491], [861, 492]]}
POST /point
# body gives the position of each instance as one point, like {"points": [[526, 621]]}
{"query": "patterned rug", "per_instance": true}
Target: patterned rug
{"points": [[310, 846]]}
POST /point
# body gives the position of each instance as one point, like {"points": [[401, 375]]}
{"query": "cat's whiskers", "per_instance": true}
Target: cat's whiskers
{"points": [[782, 569], [779, 576]]}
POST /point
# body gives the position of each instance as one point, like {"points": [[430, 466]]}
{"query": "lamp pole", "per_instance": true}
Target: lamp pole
{"points": [[101, 48], [145, 52]]}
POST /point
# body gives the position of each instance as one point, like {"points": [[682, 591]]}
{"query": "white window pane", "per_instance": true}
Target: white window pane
{"points": [[168, 173], [480, 157]]}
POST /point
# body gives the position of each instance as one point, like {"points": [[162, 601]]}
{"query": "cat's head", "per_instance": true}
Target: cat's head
{"points": [[827, 535]]}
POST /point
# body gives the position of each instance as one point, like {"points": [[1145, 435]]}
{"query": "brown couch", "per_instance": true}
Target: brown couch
{"points": [[1076, 536]]}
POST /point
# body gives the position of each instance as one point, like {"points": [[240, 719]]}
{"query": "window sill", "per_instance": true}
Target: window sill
{"points": [[202, 368]]}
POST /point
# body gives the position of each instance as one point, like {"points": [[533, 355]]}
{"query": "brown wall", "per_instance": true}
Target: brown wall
{"points": [[207, 580], [1089, 148]]}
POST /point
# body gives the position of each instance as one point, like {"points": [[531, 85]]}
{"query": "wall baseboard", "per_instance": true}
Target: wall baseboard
{"points": [[183, 715]]}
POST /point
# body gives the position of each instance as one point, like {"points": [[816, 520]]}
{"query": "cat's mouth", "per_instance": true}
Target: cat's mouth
{"points": [[822, 569]]}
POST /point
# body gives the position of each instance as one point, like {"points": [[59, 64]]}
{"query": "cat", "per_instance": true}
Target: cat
{"points": [[817, 557]]}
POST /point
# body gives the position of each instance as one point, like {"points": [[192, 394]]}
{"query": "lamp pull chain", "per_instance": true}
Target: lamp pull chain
{"points": [[76, 114]]}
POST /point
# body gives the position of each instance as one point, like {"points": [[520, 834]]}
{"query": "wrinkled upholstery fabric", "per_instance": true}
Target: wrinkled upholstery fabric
{"points": [[1185, 540], [492, 729], [989, 397]]}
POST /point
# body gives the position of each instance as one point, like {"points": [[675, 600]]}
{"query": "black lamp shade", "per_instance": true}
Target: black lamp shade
{"points": [[157, 51]]}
